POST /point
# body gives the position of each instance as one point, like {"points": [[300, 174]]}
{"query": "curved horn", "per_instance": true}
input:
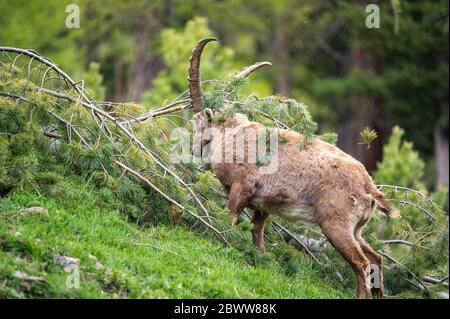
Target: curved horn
{"points": [[249, 69], [195, 86]]}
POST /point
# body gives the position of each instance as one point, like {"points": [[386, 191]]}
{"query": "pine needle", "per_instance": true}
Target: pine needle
{"points": [[367, 136]]}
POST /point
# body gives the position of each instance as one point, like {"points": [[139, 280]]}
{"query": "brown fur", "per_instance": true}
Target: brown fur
{"points": [[319, 184]]}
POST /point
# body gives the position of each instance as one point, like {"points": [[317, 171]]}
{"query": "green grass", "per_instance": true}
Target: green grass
{"points": [[159, 261]]}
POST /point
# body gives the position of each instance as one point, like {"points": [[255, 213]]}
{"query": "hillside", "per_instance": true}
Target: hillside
{"points": [[119, 259]]}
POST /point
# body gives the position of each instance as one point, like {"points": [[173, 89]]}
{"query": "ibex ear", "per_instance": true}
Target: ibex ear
{"points": [[209, 114]]}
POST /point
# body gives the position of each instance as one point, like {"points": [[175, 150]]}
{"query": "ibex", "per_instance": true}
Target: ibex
{"points": [[318, 184]]}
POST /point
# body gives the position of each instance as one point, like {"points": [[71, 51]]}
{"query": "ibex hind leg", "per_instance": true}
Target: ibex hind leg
{"points": [[376, 261], [341, 236]]}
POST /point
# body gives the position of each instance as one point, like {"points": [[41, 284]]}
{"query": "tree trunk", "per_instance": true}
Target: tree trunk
{"points": [[365, 111], [441, 156], [118, 78], [145, 66], [365, 108], [282, 57]]}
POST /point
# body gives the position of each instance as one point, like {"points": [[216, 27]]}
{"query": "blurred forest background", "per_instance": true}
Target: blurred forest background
{"points": [[350, 76]]}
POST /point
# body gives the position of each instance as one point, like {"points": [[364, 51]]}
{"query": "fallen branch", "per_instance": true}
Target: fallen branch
{"points": [[296, 240], [317, 246], [392, 259], [170, 108], [406, 202], [50, 64], [435, 281], [410, 190], [124, 167], [131, 136], [150, 184], [156, 189]]}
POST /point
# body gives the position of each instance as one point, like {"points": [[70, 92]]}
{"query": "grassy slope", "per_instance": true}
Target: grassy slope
{"points": [[176, 263]]}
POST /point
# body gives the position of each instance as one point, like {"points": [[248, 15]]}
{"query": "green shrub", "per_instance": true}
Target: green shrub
{"points": [[401, 165]]}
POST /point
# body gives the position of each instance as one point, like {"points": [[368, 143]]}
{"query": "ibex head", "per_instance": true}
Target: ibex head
{"points": [[203, 117], [195, 85]]}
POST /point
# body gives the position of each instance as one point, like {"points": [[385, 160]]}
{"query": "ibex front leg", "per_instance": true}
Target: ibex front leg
{"points": [[259, 220], [237, 199]]}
